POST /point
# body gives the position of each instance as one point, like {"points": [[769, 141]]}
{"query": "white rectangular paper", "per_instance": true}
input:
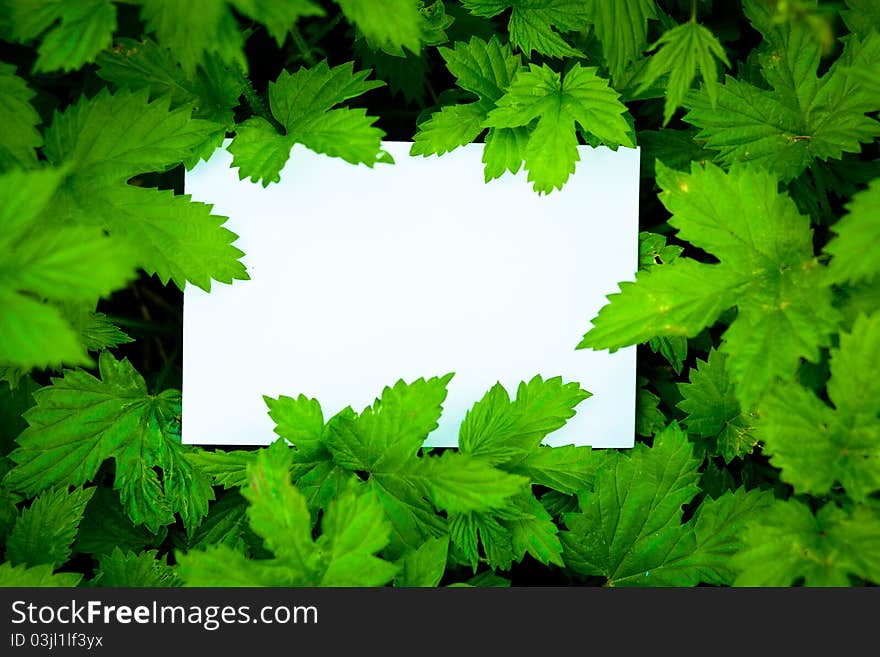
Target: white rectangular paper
{"points": [[361, 277]]}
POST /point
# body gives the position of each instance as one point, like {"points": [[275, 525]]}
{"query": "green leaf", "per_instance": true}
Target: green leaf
{"points": [[566, 468], [767, 270], [65, 263], [278, 511], [535, 534], [682, 50], [560, 105], [38, 576], [192, 30], [862, 16], [354, 529], [789, 545], [394, 26], [390, 432], [622, 29], [303, 104], [127, 569], [803, 117], [460, 483], [80, 421], [226, 524], [103, 148], [278, 17], [537, 25], [485, 69], [502, 431], [856, 246], [45, 531], [713, 412], [71, 33], [631, 523], [227, 469], [20, 136], [212, 92], [817, 446], [425, 566]]}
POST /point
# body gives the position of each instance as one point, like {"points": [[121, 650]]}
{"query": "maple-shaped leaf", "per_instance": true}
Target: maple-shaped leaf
{"points": [[560, 105], [486, 70], [38, 576], [682, 50], [788, 545], [713, 411], [126, 569], [20, 137], [79, 421], [353, 527], [70, 33], [856, 246], [622, 29], [803, 117], [767, 269], [102, 147], [42, 268], [397, 25], [45, 531], [303, 104], [537, 25], [818, 446], [191, 30]]}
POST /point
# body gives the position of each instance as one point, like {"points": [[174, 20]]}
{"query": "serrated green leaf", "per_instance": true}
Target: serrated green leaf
{"points": [[460, 483], [502, 431], [226, 524], [425, 566], [622, 29], [817, 446], [767, 269], [212, 91], [303, 104], [631, 523], [278, 17], [278, 511], [79, 421], [680, 52], [559, 105], [191, 30], [486, 69], [862, 16], [537, 535], [537, 25], [390, 432], [38, 576], [856, 246], [20, 136], [566, 468], [397, 25], [45, 531], [787, 544], [713, 412], [227, 469], [127, 569], [802, 118], [71, 33]]}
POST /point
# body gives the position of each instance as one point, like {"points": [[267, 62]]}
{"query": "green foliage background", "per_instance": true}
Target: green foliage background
{"points": [[755, 306]]}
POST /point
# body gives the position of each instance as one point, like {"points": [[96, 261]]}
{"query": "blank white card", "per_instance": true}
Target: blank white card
{"points": [[361, 277]]}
